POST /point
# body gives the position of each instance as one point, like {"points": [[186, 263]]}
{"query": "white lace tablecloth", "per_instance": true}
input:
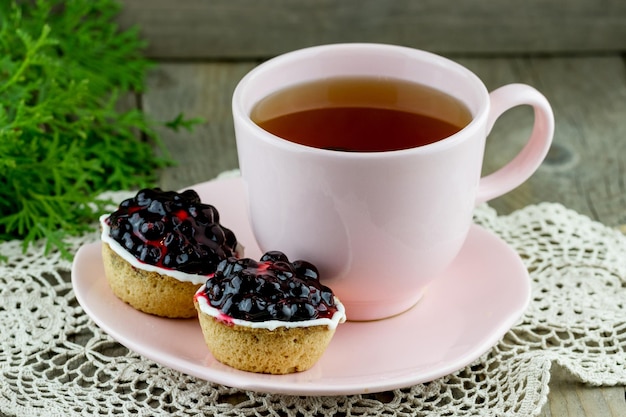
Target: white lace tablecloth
{"points": [[54, 361]]}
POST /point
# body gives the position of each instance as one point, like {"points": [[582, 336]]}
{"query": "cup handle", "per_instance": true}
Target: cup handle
{"points": [[526, 162]]}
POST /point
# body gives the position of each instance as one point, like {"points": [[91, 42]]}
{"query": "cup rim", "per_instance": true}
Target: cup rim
{"points": [[478, 119]]}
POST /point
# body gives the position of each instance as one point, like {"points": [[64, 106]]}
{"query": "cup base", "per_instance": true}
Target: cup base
{"points": [[378, 310]]}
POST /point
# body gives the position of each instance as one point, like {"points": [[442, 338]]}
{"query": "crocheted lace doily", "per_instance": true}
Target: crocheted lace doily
{"points": [[55, 361]]}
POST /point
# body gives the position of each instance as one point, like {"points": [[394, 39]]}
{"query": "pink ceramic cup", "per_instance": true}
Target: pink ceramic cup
{"points": [[380, 226]]}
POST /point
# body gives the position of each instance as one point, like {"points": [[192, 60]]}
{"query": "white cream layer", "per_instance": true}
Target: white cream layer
{"points": [[338, 317], [128, 257]]}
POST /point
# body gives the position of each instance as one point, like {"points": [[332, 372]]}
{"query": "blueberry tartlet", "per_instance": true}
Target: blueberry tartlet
{"points": [[269, 316], [158, 248]]}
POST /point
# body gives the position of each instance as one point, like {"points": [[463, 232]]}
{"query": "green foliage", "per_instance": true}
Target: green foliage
{"points": [[63, 66]]}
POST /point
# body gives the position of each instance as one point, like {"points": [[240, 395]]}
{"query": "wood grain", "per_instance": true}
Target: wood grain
{"points": [[586, 167], [238, 29], [197, 90], [569, 397]]}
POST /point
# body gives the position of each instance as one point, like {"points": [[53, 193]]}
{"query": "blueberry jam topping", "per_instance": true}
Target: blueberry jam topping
{"points": [[172, 230], [271, 289]]}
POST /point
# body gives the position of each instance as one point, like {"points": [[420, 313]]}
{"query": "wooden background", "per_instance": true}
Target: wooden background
{"points": [[236, 29], [571, 50]]}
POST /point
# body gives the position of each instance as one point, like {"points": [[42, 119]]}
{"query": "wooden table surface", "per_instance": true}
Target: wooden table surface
{"points": [[585, 169]]}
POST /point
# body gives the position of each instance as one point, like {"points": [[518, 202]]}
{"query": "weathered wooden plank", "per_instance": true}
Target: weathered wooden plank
{"points": [[245, 29], [571, 398], [586, 168], [197, 90]]}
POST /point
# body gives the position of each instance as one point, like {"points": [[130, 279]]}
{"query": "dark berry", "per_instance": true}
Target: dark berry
{"points": [[172, 230], [307, 269], [156, 207], [271, 289], [188, 195], [274, 256], [152, 230], [209, 215], [142, 199]]}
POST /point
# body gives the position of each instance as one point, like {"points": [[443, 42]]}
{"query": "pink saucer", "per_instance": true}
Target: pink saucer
{"points": [[462, 315]]}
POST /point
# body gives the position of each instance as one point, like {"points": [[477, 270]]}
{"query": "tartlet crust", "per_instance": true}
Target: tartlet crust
{"points": [[281, 351], [148, 291]]}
